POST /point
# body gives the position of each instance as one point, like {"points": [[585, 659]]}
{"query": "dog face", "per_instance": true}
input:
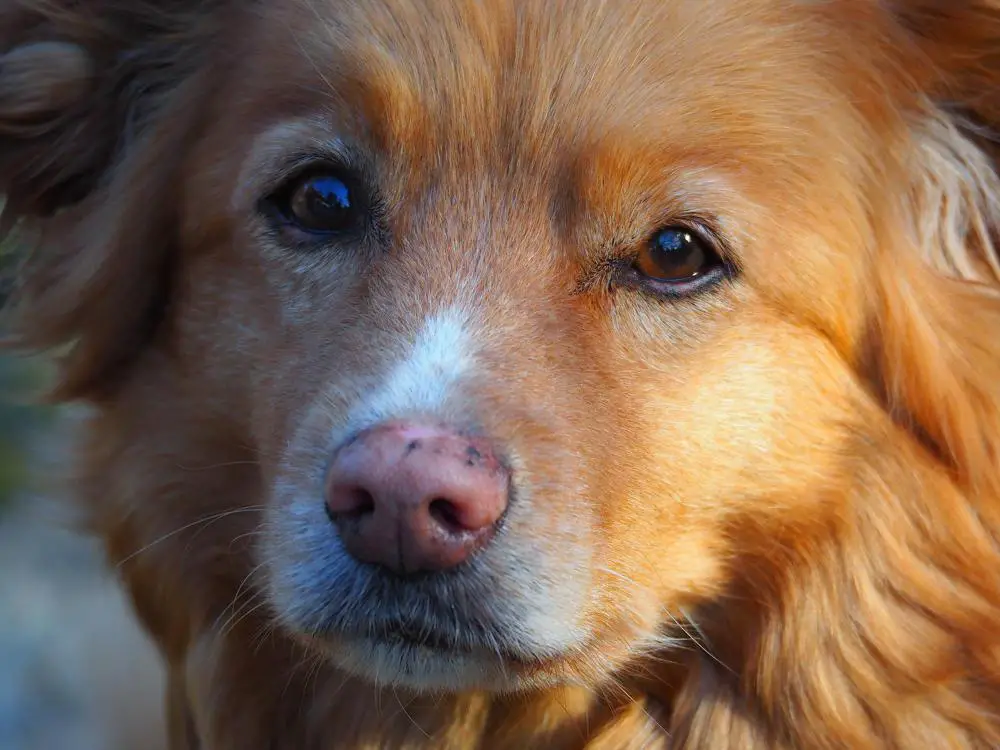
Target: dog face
{"points": [[627, 257], [612, 263]]}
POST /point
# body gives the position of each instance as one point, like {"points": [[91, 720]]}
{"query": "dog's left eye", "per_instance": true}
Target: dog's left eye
{"points": [[676, 255], [675, 261]]}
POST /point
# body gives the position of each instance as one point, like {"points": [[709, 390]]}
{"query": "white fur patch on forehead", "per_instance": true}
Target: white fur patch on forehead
{"points": [[442, 354]]}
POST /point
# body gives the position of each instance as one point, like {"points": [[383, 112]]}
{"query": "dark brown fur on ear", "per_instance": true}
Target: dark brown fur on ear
{"points": [[90, 93]]}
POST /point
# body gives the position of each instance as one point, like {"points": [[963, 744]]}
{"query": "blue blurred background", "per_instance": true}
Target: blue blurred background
{"points": [[75, 672]]}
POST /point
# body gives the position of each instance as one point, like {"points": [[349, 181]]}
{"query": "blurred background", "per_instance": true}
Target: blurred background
{"points": [[75, 671]]}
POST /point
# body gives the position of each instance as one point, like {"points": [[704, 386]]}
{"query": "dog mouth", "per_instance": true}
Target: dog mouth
{"points": [[412, 655], [411, 634], [431, 633], [408, 633]]}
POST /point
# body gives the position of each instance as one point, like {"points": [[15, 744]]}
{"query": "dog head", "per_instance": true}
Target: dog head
{"points": [[543, 323]]}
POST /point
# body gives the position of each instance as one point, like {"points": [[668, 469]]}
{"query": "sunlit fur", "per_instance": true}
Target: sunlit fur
{"points": [[763, 517]]}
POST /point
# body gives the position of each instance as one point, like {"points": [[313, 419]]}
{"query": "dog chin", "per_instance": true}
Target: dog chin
{"points": [[427, 669]]}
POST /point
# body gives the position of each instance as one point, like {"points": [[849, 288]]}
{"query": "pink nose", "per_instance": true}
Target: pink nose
{"points": [[415, 498]]}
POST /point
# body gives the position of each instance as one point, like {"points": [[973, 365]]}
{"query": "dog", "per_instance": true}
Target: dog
{"points": [[527, 373]]}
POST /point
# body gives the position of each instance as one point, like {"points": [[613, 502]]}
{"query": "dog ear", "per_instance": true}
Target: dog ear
{"points": [[93, 94], [938, 319]]}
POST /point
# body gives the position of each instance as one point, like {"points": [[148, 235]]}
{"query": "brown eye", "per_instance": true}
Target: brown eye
{"points": [[319, 203], [676, 255]]}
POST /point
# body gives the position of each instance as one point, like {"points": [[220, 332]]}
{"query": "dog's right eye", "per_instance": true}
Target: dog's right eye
{"points": [[319, 202]]}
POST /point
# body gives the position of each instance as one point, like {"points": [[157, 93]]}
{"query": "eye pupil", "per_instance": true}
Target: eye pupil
{"points": [[675, 254], [322, 203]]}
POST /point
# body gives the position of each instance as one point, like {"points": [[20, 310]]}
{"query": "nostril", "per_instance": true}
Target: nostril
{"points": [[447, 515], [351, 502]]}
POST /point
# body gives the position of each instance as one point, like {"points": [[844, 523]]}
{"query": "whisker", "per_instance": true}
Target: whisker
{"points": [[408, 716], [224, 465], [697, 641], [239, 589], [198, 522], [247, 612]]}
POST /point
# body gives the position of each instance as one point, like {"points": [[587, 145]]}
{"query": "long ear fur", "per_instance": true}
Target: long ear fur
{"points": [[938, 322], [92, 93]]}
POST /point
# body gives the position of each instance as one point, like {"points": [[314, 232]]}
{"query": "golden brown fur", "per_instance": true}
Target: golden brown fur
{"points": [[781, 502]]}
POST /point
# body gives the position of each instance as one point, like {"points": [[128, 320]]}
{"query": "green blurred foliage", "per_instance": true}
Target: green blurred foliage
{"points": [[21, 421], [21, 417]]}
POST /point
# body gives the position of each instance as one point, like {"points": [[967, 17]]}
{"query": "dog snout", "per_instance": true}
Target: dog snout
{"points": [[416, 498]]}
